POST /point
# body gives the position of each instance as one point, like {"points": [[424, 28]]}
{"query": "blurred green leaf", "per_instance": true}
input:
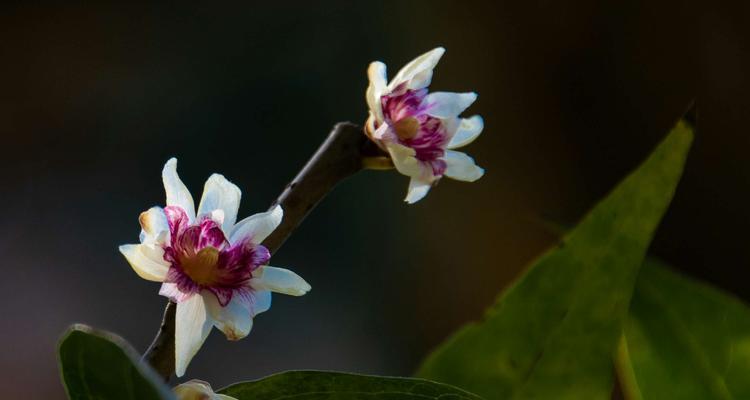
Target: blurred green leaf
{"points": [[684, 340], [552, 334], [97, 365], [321, 385]]}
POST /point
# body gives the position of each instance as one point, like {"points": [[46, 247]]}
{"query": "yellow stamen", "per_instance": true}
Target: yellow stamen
{"points": [[406, 128], [201, 267]]}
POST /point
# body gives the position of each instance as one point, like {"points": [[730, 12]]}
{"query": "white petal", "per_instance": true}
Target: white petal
{"points": [[257, 227], [172, 292], [262, 301], [461, 167], [192, 326], [417, 191], [376, 73], [404, 160], [279, 280], [418, 73], [147, 261], [447, 104], [235, 319], [177, 193], [220, 194], [469, 130], [381, 133], [154, 226]]}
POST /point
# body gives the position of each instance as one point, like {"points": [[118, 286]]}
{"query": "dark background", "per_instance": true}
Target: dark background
{"points": [[95, 98]]}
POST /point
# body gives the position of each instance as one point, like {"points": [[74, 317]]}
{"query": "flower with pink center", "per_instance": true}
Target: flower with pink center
{"points": [[213, 268], [420, 129]]}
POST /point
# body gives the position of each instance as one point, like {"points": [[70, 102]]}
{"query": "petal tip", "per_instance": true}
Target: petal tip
{"points": [[171, 163], [303, 289]]}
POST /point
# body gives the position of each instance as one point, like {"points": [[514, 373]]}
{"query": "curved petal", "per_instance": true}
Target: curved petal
{"points": [[376, 73], [177, 193], [404, 160], [447, 104], [468, 130], [145, 261], [257, 227], [461, 167], [192, 326], [382, 133], [262, 301], [220, 195], [154, 226], [418, 73], [417, 190], [172, 291], [279, 280], [235, 319]]}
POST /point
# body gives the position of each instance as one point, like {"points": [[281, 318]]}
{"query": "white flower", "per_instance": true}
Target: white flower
{"points": [[213, 268], [198, 390], [420, 129]]}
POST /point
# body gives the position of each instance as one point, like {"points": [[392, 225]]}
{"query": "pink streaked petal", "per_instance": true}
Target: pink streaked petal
{"points": [[430, 142], [177, 219], [187, 242], [223, 295], [238, 256], [183, 282], [403, 104], [235, 319], [384, 132], [173, 293], [438, 167], [260, 256], [256, 301], [211, 234]]}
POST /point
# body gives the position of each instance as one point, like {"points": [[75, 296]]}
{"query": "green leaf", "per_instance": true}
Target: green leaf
{"points": [[552, 334], [98, 365], [321, 385], [684, 340]]}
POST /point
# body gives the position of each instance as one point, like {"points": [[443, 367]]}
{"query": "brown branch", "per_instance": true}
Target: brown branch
{"points": [[345, 152], [340, 156], [160, 354]]}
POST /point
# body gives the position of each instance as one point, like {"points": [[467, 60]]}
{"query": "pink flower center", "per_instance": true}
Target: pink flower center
{"points": [[405, 112], [202, 258]]}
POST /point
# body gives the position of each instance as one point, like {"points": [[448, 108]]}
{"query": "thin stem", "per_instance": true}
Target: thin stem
{"points": [[160, 354], [345, 152]]}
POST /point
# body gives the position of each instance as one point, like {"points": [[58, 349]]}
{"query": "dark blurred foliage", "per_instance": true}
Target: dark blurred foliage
{"points": [[95, 98]]}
